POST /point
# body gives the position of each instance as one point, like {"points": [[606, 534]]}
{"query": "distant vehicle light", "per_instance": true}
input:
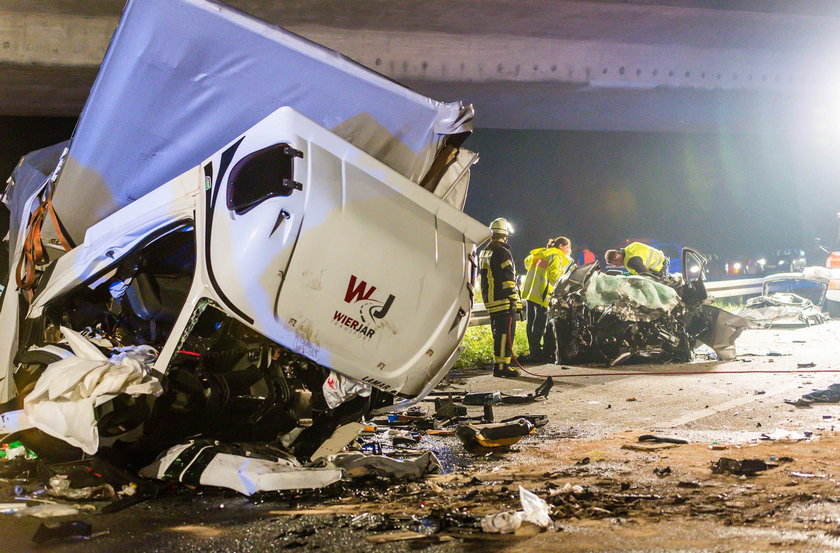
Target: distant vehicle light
{"points": [[781, 262], [694, 269], [762, 261], [736, 266]]}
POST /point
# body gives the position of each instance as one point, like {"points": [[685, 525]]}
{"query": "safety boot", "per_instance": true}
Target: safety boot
{"points": [[503, 370]]}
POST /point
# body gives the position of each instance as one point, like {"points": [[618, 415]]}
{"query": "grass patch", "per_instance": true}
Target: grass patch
{"points": [[733, 304], [478, 342]]}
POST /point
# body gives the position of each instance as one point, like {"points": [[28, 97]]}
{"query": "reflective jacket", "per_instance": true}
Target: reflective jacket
{"points": [[652, 259], [498, 278], [545, 266]]}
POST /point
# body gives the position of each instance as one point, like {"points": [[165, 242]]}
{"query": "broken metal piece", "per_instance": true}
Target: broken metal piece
{"points": [[487, 437]]}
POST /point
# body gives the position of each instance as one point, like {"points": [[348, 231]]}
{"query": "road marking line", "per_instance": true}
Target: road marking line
{"points": [[725, 406]]}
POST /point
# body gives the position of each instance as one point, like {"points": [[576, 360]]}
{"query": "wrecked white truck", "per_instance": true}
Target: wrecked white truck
{"points": [[248, 238]]}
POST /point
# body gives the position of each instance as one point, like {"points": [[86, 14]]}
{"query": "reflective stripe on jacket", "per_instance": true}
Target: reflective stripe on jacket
{"points": [[652, 258], [498, 278], [545, 266]]}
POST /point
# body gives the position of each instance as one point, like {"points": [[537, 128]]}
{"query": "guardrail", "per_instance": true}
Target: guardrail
{"points": [[735, 287], [716, 288]]}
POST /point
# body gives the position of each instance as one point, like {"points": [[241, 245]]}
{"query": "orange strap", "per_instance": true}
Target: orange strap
{"points": [[33, 247]]}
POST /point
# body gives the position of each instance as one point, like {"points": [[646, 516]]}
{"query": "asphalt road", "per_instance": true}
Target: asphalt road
{"points": [[711, 404]]}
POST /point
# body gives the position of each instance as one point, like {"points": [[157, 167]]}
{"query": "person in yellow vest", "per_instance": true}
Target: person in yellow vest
{"points": [[544, 268], [640, 259], [501, 297]]}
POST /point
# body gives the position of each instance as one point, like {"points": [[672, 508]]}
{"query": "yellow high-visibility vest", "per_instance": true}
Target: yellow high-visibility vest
{"points": [[545, 266], [652, 258]]}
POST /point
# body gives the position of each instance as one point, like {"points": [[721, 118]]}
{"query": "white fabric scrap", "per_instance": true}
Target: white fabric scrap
{"points": [[339, 388], [63, 400]]}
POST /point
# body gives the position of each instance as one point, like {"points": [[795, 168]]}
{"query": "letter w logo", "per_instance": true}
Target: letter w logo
{"points": [[358, 293]]}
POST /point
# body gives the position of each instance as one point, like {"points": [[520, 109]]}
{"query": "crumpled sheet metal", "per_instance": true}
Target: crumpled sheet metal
{"points": [[763, 311], [246, 469], [723, 328], [64, 398], [636, 291]]}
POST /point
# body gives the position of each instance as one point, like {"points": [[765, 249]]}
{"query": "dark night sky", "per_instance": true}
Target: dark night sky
{"points": [[720, 193], [723, 194]]}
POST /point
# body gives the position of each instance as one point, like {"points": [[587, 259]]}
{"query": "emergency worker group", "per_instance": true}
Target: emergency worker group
{"points": [[544, 266]]}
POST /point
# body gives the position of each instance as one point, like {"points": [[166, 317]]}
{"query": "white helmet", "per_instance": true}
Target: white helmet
{"points": [[501, 226]]}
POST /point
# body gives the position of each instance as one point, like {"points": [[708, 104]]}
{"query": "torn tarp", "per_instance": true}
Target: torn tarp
{"points": [[182, 78], [246, 468], [64, 398]]}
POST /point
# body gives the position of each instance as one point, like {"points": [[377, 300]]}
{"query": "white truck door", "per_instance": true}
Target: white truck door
{"points": [[357, 267], [254, 203]]}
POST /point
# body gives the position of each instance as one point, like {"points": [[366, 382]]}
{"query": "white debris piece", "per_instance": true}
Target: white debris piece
{"points": [[507, 522], [534, 509], [339, 388], [211, 463], [64, 398]]}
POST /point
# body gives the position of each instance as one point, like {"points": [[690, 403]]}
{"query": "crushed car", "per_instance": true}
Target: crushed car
{"points": [[619, 319], [790, 298], [211, 256]]}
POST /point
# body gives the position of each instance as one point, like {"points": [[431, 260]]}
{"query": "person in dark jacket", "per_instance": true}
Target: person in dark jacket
{"points": [[501, 296]]}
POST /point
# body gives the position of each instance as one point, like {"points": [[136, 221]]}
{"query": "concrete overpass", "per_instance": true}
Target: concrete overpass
{"points": [[652, 65]]}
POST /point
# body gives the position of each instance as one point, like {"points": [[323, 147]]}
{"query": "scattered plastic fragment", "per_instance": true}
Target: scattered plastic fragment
{"points": [[535, 509], [780, 435], [359, 465], [60, 486], [66, 529], [481, 438], [241, 467], [482, 398], [48, 510], [507, 522]]}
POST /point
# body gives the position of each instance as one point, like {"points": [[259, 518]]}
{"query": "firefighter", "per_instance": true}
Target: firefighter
{"points": [[501, 297], [544, 267], [640, 259]]}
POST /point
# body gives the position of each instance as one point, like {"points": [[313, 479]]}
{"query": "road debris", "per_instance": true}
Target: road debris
{"points": [[241, 467], [497, 436], [827, 395], [781, 435], [662, 439], [534, 510], [359, 465], [746, 467], [63, 530]]}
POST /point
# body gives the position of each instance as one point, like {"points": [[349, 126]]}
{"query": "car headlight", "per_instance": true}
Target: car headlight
{"points": [[762, 261], [736, 266]]}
